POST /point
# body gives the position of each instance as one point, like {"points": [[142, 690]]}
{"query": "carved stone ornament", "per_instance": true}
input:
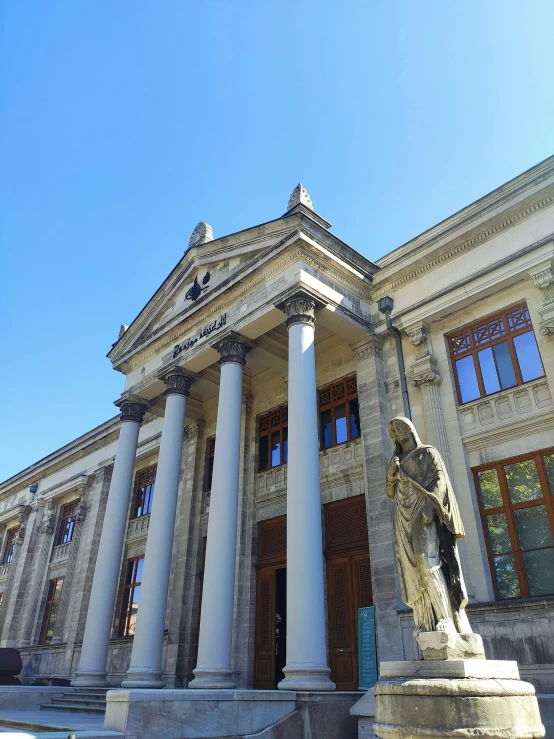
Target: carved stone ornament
{"points": [[371, 346], [233, 351], [425, 378], [82, 510], [122, 329], [424, 371], [132, 411], [420, 338], [178, 384], [544, 280], [300, 310], [300, 196], [48, 522], [201, 234]]}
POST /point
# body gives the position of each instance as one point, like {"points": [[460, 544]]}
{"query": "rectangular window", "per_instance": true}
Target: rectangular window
{"points": [[495, 354], [273, 438], [209, 472], [517, 511], [51, 610], [339, 414], [9, 549], [67, 523], [144, 491], [131, 596]]}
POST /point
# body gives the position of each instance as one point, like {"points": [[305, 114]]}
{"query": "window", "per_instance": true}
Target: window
{"points": [[495, 354], [517, 511], [339, 414], [51, 610], [9, 549], [131, 596], [144, 491], [273, 437], [67, 523], [209, 473]]}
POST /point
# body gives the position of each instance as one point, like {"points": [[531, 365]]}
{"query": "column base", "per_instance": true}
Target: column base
{"points": [[90, 679], [307, 678], [204, 679], [142, 677]]}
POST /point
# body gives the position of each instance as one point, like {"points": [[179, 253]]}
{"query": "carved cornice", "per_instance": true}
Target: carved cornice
{"points": [[370, 346], [424, 372], [300, 310]]}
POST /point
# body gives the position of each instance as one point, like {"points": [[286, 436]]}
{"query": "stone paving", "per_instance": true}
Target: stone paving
{"points": [[36, 724]]}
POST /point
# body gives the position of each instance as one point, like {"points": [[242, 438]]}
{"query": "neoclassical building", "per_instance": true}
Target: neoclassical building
{"points": [[224, 529]]}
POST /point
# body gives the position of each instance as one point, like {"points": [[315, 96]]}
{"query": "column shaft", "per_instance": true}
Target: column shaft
{"points": [[213, 669], [306, 667], [96, 641], [145, 670]]}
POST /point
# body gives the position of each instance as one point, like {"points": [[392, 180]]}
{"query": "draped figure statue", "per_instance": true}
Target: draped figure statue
{"points": [[427, 526]]}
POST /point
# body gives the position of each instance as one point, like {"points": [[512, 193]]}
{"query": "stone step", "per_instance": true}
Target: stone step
{"points": [[72, 707], [95, 700]]}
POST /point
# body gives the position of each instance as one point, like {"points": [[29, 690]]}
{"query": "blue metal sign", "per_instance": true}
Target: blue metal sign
{"points": [[367, 649]]}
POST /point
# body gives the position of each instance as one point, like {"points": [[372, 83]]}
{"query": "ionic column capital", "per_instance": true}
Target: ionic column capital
{"points": [[424, 372], [300, 309], [132, 408]]}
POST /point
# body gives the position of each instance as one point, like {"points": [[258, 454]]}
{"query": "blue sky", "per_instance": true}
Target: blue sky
{"points": [[124, 124]]}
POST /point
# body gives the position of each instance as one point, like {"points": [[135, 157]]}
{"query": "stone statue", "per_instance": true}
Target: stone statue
{"points": [[427, 525]]}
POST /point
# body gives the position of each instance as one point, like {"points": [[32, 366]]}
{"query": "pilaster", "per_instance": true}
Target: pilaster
{"points": [[543, 279]]}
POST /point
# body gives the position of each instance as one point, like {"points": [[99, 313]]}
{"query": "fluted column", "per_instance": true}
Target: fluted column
{"points": [[145, 670], [213, 668], [96, 640], [306, 667]]}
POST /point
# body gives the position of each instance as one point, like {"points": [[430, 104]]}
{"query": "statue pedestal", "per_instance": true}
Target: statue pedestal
{"points": [[435, 699]]}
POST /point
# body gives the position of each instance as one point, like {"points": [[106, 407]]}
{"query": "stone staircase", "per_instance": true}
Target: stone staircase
{"points": [[80, 700]]}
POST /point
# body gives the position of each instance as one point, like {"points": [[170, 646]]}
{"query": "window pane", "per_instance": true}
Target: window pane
{"points": [[340, 424], [489, 486], [134, 610], [523, 481], [528, 356], [533, 527], [539, 568], [285, 444], [51, 623], [488, 370], [264, 447], [354, 419], [210, 473], [498, 533], [140, 565], [506, 576], [549, 464], [504, 364], [275, 448], [58, 589], [326, 430], [467, 379], [148, 498], [130, 570]]}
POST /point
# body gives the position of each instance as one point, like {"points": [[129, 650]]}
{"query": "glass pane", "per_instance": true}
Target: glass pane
{"points": [[134, 610], [489, 486], [506, 576], [275, 448], [539, 568], [549, 464], [533, 527], [124, 611], [285, 444], [504, 364], [326, 429], [264, 446], [130, 570], [58, 589], [148, 498], [140, 566], [528, 356], [523, 481], [498, 533], [488, 370], [467, 379], [354, 419], [340, 423], [51, 623]]}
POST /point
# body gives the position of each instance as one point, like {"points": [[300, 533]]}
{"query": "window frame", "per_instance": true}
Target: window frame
{"points": [[333, 403], [475, 348], [507, 508], [51, 601], [9, 546], [143, 480], [277, 420], [126, 605], [209, 464], [67, 514]]}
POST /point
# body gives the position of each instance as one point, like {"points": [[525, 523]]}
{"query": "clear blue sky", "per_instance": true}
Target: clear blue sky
{"points": [[123, 124]]}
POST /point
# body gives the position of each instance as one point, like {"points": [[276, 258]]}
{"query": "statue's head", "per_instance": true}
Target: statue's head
{"points": [[402, 432]]}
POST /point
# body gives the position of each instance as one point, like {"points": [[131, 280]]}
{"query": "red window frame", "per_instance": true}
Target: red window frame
{"points": [[209, 470], [66, 524], [143, 496], [9, 547], [126, 624], [332, 396], [275, 421]]}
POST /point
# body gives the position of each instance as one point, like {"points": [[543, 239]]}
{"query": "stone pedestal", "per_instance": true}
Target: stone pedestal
{"points": [[455, 698]]}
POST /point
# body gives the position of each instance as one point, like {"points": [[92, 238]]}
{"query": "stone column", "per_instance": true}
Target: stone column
{"points": [[377, 448], [213, 668], [8, 606], [306, 667], [96, 641], [40, 565], [145, 670]]}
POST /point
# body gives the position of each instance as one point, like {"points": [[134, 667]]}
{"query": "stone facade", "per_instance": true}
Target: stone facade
{"points": [[496, 253]]}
